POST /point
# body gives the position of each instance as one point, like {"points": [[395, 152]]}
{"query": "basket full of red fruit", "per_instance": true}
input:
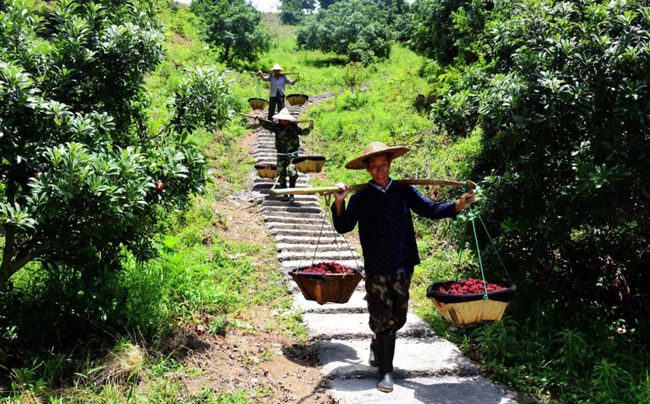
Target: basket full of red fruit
{"points": [[471, 301], [326, 282]]}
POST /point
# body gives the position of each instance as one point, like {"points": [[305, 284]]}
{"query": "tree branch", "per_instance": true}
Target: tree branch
{"points": [[7, 253]]}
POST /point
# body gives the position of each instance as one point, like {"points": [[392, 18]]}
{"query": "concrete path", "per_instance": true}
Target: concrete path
{"points": [[428, 369]]}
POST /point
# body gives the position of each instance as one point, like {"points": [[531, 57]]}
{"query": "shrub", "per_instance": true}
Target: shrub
{"points": [[233, 26], [293, 11], [82, 179], [202, 99], [429, 28], [355, 28], [559, 92]]}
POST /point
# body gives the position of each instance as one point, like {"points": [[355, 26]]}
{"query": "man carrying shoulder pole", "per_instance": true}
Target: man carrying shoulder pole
{"points": [[383, 212], [287, 142], [277, 82]]}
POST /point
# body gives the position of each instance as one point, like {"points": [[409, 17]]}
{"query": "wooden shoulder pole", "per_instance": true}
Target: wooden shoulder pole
{"points": [[357, 187]]}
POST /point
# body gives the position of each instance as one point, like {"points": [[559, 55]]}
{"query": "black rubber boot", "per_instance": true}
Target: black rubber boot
{"points": [[385, 354], [292, 184], [373, 349]]}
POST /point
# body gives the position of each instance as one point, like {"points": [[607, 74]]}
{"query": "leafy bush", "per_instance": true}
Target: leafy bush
{"points": [[78, 167], [81, 176], [354, 74], [559, 92], [202, 99], [355, 28], [293, 11], [233, 26]]}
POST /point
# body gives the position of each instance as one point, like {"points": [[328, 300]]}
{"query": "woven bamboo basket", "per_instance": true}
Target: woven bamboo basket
{"points": [[266, 170], [258, 103], [334, 288], [468, 309], [309, 164], [297, 99]]}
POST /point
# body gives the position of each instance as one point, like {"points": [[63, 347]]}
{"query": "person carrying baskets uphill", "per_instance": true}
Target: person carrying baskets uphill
{"points": [[277, 82], [287, 142], [383, 211]]}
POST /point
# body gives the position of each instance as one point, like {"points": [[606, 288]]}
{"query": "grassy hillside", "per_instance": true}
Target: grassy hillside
{"points": [[143, 336]]}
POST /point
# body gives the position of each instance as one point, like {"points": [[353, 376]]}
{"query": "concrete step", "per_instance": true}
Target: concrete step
{"points": [[414, 357], [292, 232], [266, 186], [322, 247], [299, 200], [309, 240], [356, 304], [269, 152], [307, 221], [297, 203], [291, 209], [434, 390], [299, 226], [355, 326]]}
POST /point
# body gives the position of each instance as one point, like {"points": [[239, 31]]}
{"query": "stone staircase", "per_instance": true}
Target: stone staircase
{"points": [[428, 369]]}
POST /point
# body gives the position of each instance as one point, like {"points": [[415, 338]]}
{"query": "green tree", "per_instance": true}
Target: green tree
{"points": [[82, 178], [293, 11], [560, 92], [429, 28], [234, 27], [356, 28], [326, 3]]}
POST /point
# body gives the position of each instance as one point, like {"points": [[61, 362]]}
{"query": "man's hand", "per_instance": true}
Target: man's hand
{"points": [[339, 197], [464, 201]]}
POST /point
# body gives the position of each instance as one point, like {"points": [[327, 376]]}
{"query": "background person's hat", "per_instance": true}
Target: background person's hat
{"points": [[375, 149], [277, 67], [284, 115]]}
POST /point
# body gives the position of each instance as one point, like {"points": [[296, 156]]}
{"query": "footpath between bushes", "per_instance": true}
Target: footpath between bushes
{"points": [[428, 368]]}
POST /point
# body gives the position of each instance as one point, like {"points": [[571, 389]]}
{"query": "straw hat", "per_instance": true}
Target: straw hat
{"points": [[375, 149], [276, 67], [284, 115]]}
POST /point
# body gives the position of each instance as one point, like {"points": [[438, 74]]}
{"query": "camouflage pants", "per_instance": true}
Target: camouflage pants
{"points": [[285, 168], [388, 301]]}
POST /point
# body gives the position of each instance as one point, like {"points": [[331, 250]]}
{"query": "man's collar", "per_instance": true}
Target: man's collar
{"points": [[379, 187]]}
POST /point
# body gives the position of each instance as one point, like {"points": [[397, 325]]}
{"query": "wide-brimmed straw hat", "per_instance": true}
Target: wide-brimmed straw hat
{"points": [[375, 149], [284, 115], [277, 67]]}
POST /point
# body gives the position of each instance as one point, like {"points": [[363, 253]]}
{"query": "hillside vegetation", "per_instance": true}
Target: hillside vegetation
{"points": [[545, 104]]}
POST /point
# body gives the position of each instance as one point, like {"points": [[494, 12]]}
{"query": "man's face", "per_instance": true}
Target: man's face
{"points": [[276, 73], [283, 122], [379, 168]]}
